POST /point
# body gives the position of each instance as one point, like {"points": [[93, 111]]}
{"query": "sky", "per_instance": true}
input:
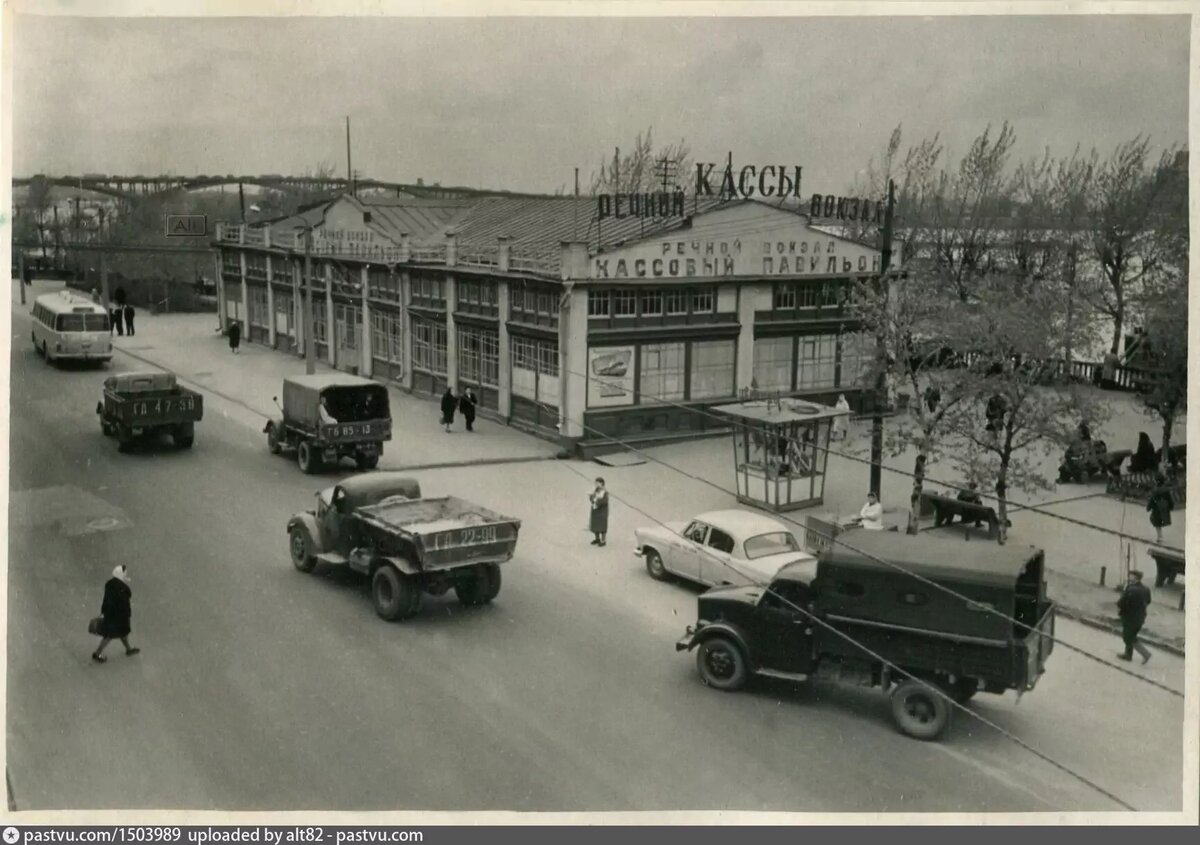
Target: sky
{"points": [[519, 103]]}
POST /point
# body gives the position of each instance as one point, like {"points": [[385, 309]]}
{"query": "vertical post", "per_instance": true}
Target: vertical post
{"points": [[21, 271], [310, 346], [104, 282], [349, 169], [881, 283]]}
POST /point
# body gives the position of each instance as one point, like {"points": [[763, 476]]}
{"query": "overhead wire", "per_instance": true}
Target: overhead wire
{"points": [[932, 688], [983, 607]]}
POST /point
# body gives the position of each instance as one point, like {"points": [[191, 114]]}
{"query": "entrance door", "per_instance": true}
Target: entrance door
{"points": [[348, 333]]}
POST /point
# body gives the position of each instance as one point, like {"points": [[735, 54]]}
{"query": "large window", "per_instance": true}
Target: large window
{"points": [[231, 262], [535, 369], [257, 311], [478, 356], [256, 265], [713, 375], [428, 292], [675, 300], [703, 301], [387, 338], [383, 285], [599, 303], [815, 359], [281, 270], [475, 297], [858, 359], [773, 363], [320, 323], [662, 372], [652, 303], [429, 346], [535, 304], [624, 303]]}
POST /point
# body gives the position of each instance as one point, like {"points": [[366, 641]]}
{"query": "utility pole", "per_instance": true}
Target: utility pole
{"points": [[881, 292], [349, 169], [21, 271], [310, 335], [242, 202]]}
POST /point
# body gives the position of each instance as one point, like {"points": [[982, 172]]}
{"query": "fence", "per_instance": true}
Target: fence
{"points": [[157, 296]]}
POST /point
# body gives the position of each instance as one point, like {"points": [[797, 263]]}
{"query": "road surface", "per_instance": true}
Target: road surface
{"points": [[262, 688]]}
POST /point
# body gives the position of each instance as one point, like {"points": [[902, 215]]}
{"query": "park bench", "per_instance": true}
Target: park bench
{"points": [[1168, 564], [1082, 462], [944, 509]]}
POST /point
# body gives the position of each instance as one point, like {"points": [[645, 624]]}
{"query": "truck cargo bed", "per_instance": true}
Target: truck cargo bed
{"points": [[446, 531]]}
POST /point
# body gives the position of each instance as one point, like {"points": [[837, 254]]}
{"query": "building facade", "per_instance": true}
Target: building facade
{"points": [[590, 330]]}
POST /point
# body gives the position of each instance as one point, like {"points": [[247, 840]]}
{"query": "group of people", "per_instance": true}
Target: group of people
{"points": [[464, 403], [120, 316]]}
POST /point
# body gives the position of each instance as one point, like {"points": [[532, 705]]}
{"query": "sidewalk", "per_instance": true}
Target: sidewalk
{"points": [[189, 346]]}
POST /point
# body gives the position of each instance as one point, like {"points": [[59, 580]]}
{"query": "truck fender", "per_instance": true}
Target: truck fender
{"points": [[402, 564], [307, 523], [271, 424], [725, 629]]}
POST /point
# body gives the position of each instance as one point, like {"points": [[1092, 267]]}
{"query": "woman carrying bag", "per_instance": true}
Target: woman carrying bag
{"points": [[113, 623], [598, 524]]}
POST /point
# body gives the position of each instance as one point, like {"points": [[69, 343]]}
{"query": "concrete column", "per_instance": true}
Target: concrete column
{"points": [[504, 372], [297, 274], [505, 250], [451, 332], [405, 247], [222, 305], [451, 249], [745, 339], [366, 360], [271, 300], [406, 326], [572, 364], [245, 309], [330, 323]]}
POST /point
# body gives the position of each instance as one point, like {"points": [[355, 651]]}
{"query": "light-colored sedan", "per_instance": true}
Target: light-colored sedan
{"points": [[719, 547]]}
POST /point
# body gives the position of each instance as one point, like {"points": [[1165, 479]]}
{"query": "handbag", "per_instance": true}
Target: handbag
{"points": [[94, 625]]}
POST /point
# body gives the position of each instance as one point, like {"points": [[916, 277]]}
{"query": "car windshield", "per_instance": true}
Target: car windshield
{"points": [[771, 544]]}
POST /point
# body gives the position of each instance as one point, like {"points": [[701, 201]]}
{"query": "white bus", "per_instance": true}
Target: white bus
{"points": [[70, 325]]}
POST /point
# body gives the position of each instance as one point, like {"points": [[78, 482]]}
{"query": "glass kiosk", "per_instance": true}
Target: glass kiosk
{"points": [[781, 449]]}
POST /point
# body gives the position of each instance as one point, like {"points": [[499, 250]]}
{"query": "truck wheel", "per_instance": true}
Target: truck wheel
{"points": [[124, 439], [273, 441], [722, 664], [184, 436], [480, 589], [654, 565], [919, 711], [964, 689], [298, 546], [395, 596], [366, 461], [306, 457]]}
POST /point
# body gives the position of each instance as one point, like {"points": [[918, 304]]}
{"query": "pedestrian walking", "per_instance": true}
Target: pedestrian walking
{"points": [[1159, 505], [129, 319], [235, 336], [598, 524], [841, 423], [117, 322], [466, 405], [115, 614], [1146, 457], [1131, 607], [449, 403]]}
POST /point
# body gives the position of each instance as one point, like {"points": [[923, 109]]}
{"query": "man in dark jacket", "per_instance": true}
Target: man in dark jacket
{"points": [[466, 406], [1131, 607], [128, 312]]}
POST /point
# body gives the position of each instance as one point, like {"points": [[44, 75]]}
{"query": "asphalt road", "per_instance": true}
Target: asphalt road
{"points": [[262, 688]]}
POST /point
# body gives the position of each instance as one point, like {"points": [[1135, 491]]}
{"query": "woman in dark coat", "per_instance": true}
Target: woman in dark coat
{"points": [[235, 335], [115, 614], [598, 523], [466, 404], [1160, 504], [1145, 458], [449, 403]]}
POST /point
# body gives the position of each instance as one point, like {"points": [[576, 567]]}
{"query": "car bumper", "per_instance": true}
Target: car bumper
{"points": [[638, 552], [687, 641]]}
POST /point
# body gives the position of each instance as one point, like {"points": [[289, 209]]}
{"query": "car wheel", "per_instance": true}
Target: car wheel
{"points": [[480, 589], [184, 436], [654, 565], [366, 461], [920, 711], [273, 441], [306, 458], [722, 664], [298, 546], [395, 596]]}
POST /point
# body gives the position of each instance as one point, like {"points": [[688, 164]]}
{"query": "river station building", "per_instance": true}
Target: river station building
{"points": [[571, 326]]}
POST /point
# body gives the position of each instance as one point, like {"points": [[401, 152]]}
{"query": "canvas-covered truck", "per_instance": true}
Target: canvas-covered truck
{"points": [[378, 525], [851, 618], [146, 405], [331, 416]]}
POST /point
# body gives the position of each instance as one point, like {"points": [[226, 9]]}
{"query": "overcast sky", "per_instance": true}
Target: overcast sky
{"points": [[519, 103]]}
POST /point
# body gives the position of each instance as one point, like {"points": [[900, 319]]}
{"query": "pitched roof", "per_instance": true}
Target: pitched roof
{"points": [[424, 221]]}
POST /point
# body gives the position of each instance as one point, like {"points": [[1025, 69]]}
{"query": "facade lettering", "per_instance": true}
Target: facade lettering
{"points": [[846, 208]]}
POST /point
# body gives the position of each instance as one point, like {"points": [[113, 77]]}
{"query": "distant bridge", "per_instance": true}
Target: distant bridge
{"points": [[134, 187]]}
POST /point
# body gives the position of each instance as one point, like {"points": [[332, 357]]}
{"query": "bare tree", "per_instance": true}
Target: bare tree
{"points": [[1127, 197], [639, 170]]}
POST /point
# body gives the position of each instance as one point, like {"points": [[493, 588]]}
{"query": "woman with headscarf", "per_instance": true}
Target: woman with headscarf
{"points": [[598, 524], [1145, 458], [449, 404], [841, 423], [1160, 504], [115, 614]]}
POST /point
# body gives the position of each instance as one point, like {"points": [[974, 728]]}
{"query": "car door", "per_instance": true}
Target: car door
{"points": [[333, 523], [685, 551], [783, 635], [717, 565]]}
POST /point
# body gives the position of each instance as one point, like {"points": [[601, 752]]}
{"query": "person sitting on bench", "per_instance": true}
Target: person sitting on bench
{"points": [[871, 515], [970, 496]]}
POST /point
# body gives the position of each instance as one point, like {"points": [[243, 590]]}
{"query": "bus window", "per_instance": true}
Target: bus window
{"points": [[70, 323], [96, 322]]}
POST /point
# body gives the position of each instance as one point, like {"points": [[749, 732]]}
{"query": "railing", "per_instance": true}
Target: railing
{"points": [[428, 254], [479, 256], [255, 236], [230, 234], [533, 260]]}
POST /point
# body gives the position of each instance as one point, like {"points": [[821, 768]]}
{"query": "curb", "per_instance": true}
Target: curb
{"points": [[475, 463], [1104, 625]]}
